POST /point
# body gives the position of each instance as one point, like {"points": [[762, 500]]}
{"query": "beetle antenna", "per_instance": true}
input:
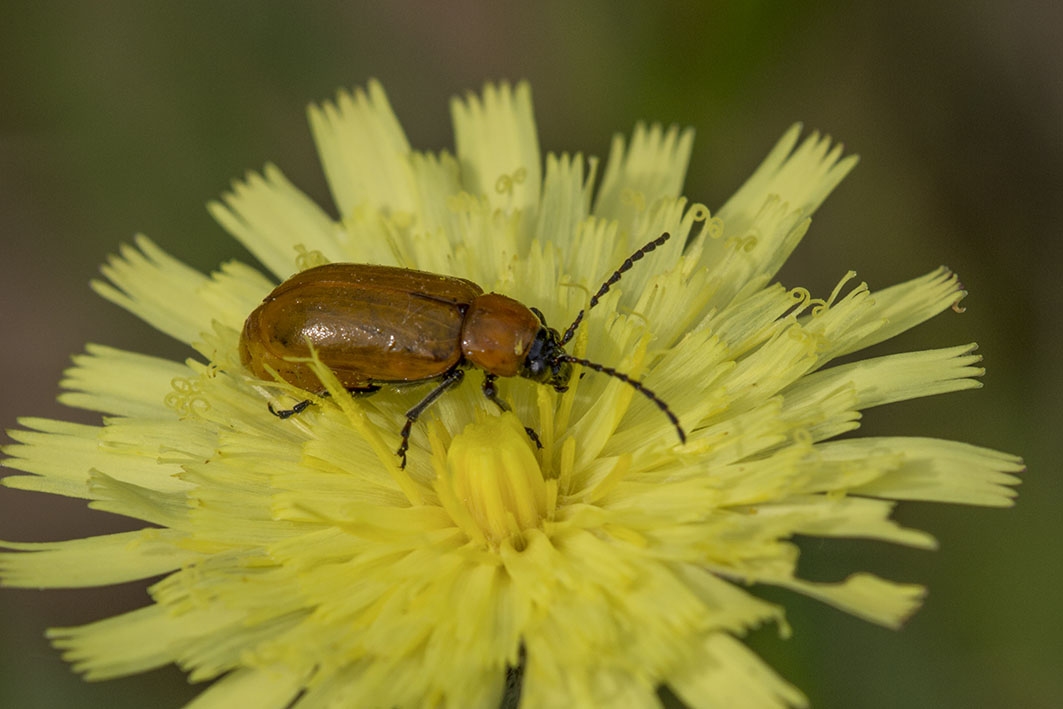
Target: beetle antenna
{"points": [[638, 386], [628, 263]]}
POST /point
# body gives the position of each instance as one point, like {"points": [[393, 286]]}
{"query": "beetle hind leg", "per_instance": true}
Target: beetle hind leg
{"points": [[362, 391], [491, 392], [305, 403], [288, 413]]}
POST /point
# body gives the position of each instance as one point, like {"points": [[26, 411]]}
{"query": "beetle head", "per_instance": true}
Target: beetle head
{"points": [[545, 362], [548, 363]]}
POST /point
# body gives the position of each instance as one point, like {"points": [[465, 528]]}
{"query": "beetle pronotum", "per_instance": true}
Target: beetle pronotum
{"points": [[377, 325]]}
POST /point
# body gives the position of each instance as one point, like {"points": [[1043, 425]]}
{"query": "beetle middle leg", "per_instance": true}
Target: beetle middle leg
{"points": [[491, 392], [302, 405], [448, 380]]}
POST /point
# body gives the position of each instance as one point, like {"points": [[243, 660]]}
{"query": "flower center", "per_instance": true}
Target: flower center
{"points": [[493, 486]]}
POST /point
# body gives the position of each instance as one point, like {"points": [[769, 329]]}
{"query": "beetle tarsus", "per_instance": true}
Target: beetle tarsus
{"points": [[534, 437], [305, 404], [288, 413], [404, 446]]}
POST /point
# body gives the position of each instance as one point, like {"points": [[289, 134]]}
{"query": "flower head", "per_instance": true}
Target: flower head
{"points": [[302, 565]]}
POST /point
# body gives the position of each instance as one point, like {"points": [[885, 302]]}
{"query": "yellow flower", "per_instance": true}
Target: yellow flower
{"points": [[303, 567]]}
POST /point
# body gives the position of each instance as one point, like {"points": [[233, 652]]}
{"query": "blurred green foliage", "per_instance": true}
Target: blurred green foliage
{"points": [[125, 116]]}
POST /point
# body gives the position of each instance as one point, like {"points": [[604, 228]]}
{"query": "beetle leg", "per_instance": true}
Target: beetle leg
{"points": [[534, 437], [355, 391], [449, 379], [302, 405], [491, 392], [288, 413]]}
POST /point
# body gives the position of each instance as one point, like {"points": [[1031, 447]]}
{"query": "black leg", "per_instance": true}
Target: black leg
{"points": [[448, 380], [362, 391], [302, 405], [491, 392], [288, 413]]}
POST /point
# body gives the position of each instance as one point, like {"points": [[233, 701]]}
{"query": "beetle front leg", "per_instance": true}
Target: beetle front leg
{"points": [[448, 380], [491, 392]]}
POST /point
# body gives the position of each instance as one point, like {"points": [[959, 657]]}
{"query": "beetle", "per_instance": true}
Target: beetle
{"points": [[382, 325]]}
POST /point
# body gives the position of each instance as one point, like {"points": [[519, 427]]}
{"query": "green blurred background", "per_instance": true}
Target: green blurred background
{"points": [[118, 117]]}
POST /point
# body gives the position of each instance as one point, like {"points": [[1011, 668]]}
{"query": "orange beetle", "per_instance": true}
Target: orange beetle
{"points": [[375, 325]]}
